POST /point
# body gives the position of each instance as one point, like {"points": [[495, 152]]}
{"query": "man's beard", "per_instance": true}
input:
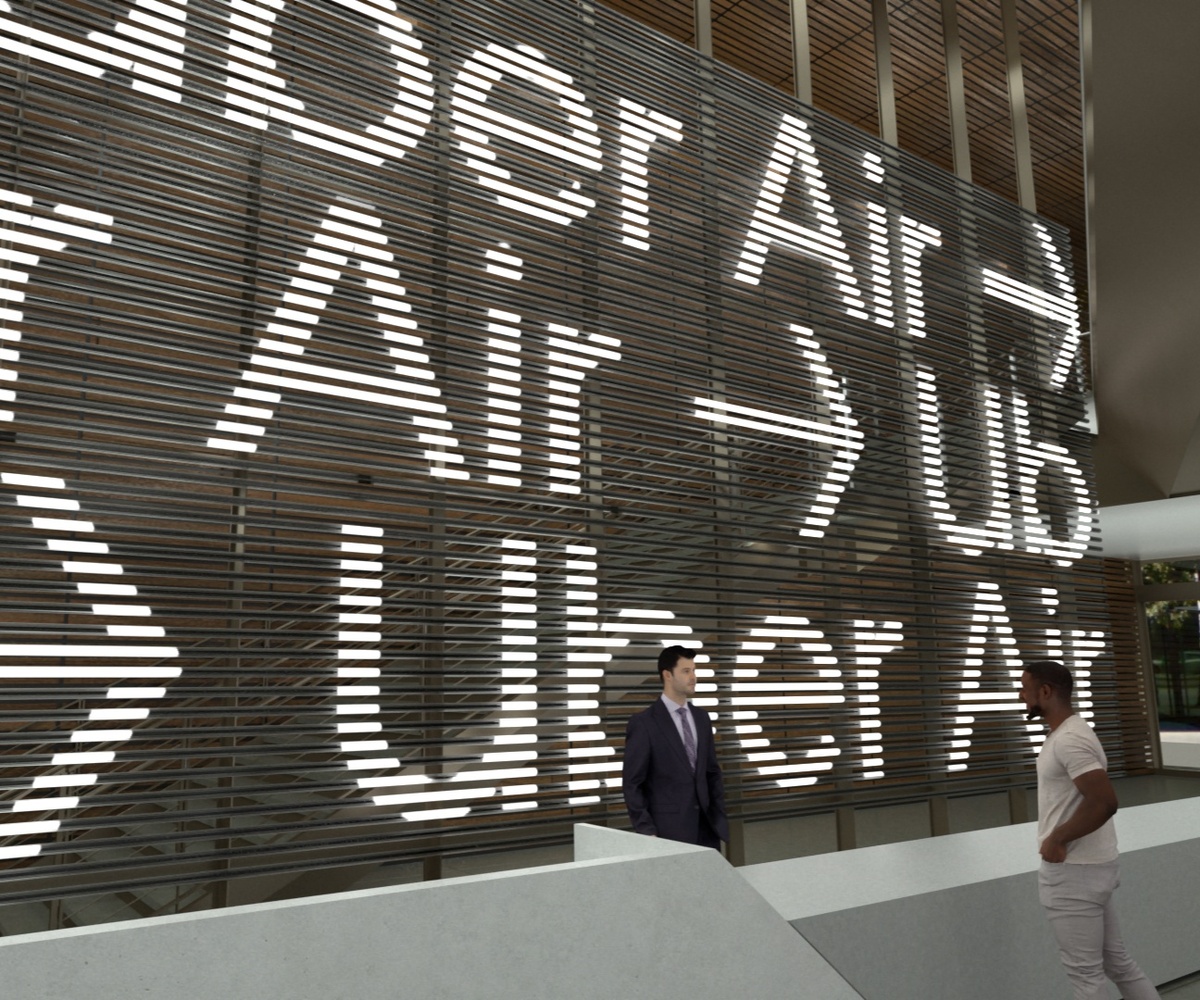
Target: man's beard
{"points": [[1033, 712]]}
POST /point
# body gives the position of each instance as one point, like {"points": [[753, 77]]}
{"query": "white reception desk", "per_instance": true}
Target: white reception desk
{"points": [[949, 918]]}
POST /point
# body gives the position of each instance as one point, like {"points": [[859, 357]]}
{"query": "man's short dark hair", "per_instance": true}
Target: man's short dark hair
{"points": [[1052, 672], [671, 656]]}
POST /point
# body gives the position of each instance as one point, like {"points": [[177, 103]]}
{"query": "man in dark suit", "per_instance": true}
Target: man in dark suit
{"points": [[671, 778]]}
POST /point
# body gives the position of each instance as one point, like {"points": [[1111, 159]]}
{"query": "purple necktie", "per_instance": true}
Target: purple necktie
{"points": [[689, 741]]}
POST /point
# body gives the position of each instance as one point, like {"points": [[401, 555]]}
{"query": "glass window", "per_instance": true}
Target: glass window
{"points": [[1174, 628], [1177, 571]]}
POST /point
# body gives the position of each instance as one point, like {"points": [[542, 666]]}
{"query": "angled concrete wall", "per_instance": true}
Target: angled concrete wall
{"points": [[635, 917], [958, 917], [949, 918]]}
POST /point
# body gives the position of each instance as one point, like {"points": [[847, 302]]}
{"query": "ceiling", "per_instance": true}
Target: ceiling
{"points": [[1131, 213], [1143, 82], [1155, 529]]}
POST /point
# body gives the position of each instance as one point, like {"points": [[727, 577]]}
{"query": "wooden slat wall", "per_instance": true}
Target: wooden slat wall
{"points": [[755, 37], [123, 353]]}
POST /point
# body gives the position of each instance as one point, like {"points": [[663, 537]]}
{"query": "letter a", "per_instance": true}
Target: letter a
{"points": [[794, 150]]}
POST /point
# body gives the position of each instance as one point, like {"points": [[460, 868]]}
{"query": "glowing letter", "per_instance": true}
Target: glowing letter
{"points": [[914, 238], [348, 232], [639, 129], [996, 531], [1059, 306], [793, 146], [476, 124], [1032, 460]]}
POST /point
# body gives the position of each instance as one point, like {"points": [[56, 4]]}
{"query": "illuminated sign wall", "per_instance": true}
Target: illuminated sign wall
{"points": [[384, 384]]}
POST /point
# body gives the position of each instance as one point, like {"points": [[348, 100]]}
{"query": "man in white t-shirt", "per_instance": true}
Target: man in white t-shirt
{"points": [[1078, 842]]}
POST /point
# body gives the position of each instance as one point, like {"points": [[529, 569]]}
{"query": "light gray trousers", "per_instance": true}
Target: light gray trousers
{"points": [[1078, 902]]}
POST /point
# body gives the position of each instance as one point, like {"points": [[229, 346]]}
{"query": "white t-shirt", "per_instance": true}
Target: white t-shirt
{"points": [[1069, 751]]}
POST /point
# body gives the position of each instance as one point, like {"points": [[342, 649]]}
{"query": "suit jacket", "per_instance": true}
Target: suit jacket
{"points": [[664, 796]]}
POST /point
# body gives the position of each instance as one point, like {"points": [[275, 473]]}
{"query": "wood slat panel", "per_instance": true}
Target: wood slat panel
{"points": [[379, 433], [754, 36]]}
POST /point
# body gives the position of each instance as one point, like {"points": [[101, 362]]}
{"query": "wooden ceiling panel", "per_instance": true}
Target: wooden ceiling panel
{"points": [[1055, 108], [1049, 39], [755, 36], [989, 119], [674, 18], [842, 49], [919, 75]]}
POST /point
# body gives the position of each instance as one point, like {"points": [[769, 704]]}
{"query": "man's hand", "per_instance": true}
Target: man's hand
{"points": [[1053, 850], [1097, 803]]}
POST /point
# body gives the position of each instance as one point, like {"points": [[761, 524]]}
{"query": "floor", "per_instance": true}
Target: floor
{"points": [[1183, 989]]}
